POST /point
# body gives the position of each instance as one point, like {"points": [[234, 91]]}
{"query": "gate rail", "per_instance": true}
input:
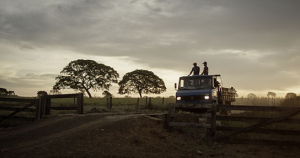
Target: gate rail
{"points": [[217, 132], [42, 106]]}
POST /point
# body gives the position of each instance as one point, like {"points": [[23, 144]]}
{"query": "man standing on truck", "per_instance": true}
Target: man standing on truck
{"points": [[205, 70], [195, 69]]}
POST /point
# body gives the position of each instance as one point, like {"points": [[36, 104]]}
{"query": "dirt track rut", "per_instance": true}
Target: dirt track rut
{"points": [[51, 128]]}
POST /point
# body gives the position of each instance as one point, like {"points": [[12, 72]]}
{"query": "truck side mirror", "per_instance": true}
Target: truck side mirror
{"points": [[175, 85]]}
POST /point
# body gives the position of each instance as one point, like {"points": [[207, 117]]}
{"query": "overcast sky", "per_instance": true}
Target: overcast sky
{"points": [[253, 44]]}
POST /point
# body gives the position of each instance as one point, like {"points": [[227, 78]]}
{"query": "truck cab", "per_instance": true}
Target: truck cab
{"points": [[199, 89]]}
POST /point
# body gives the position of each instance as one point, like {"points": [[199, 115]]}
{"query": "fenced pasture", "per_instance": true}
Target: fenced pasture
{"points": [[73, 104], [124, 105], [276, 125], [273, 121], [17, 111]]}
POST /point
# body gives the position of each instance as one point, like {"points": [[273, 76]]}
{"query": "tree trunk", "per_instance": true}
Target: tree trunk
{"points": [[140, 92], [90, 96]]}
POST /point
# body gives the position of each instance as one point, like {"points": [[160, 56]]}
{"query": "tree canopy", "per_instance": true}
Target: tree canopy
{"points": [[83, 75], [251, 96], [107, 94], [271, 94], [290, 95], [141, 81], [3, 92]]}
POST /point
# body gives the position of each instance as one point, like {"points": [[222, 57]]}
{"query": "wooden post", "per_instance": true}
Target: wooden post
{"points": [[107, 104], [110, 103], [44, 97], [48, 106], [171, 111], [80, 103], [213, 121], [208, 131], [149, 104], [163, 100], [38, 109], [146, 101], [138, 104]]}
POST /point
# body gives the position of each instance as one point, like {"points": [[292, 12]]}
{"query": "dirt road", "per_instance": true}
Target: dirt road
{"points": [[119, 136]]}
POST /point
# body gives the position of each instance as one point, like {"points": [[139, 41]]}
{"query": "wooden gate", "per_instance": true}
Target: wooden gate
{"points": [[35, 107], [13, 104], [282, 117], [229, 128], [47, 107]]}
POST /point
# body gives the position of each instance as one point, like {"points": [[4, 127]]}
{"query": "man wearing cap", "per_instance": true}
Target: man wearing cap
{"points": [[195, 69], [205, 70]]}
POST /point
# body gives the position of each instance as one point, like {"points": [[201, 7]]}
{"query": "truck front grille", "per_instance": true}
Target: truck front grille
{"points": [[192, 98]]}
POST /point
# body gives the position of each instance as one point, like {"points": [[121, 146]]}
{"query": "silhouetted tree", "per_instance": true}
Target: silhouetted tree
{"points": [[11, 93], [271, 94], [141, 81], [107, 94], [55, 91], [3, 92], [41, 93], [84, 75], [251, 96], [290, 95]]}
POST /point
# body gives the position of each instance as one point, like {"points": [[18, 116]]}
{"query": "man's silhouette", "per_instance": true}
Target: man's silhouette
{"points": [[205, 70], [195, 69]]}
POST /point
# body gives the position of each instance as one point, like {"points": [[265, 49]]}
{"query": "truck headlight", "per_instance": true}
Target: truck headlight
{"points": [[206, 97], [178, 98]]}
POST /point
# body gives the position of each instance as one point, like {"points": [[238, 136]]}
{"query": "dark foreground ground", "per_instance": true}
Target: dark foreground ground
{"points": [[121, 136]]}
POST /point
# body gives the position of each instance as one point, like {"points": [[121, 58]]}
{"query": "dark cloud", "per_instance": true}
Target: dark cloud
{"points": [[263, 35], [39, 76]]}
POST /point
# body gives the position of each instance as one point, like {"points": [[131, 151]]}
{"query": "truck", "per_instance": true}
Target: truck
{"points": [[197, 94], [198, 100]]}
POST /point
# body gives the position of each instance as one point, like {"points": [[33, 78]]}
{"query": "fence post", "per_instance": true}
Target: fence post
{"points": [[163, 100], [146, 102], [48, 106], [44, 104], [213, 121], [210, 132], [38, 108], [107, 105], [110, 103], [80, 103], [150, 104], [138, 104]]}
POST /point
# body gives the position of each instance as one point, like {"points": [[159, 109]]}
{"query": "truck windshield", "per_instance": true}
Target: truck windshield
{"points": [[195, 83]]}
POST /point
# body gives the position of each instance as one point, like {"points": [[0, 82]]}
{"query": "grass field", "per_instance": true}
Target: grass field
{"points": [[92, 105], [131, 105]]}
